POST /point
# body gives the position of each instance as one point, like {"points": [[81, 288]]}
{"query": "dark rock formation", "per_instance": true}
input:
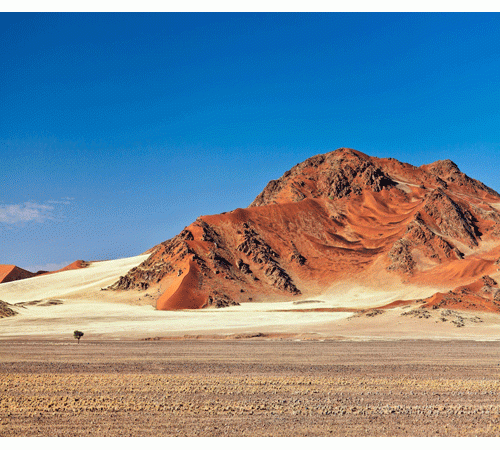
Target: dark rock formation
{"points": [[402, 260], [219, 300], [454, 220], [6, 310]]}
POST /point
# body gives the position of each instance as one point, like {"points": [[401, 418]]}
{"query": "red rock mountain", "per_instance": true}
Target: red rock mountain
{"points": [[335, 217]]}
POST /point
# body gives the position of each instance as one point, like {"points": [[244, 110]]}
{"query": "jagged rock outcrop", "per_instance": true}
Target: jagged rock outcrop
{"points": [[296, 256], [452, 219], [481, 295], [449, 174], [254, 247], [157, 266], [402, 260], [6, 310], [203, 249], [279, 278], [218, 300], [418, 236], [244, 268]]}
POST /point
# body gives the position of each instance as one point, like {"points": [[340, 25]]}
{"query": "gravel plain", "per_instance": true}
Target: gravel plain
{"points": [[249, 387]]}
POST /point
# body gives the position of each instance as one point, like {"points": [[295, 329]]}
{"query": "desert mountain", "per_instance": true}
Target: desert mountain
{"points": [[334, 221]]}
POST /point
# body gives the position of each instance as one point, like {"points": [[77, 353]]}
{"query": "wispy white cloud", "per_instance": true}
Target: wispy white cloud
{"points": [[49, 267], [30, 211], [59, 202]]}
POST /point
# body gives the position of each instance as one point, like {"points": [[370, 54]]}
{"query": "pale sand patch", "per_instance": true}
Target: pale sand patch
{"points": [[122, 321], [78, 283], [352, 295], [115, 320], [391, 325]]}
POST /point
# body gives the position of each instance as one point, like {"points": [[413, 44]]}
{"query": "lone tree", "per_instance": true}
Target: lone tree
{"points": [[77, 335]]}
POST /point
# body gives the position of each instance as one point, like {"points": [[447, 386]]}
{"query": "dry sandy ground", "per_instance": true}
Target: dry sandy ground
{"points": [[249, 388], [103, 320]]}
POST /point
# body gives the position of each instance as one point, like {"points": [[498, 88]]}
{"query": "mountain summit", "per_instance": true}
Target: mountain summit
{"points": [[331, 223]]}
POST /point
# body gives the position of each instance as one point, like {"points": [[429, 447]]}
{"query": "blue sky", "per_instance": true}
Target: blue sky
{"points": [[117, 130]]}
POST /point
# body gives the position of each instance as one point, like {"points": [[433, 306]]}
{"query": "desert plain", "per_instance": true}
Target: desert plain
{"points": [[301, 368], [249, 387]]}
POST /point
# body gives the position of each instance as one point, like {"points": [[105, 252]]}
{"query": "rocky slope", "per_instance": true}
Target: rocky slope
{"points": [[341, 216]]}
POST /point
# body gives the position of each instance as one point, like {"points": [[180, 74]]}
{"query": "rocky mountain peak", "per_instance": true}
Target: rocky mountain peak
{"points": [[446, 172], [443, 168], [333, 175]]}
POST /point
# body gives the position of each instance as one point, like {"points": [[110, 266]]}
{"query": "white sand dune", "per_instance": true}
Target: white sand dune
{"points": [[75, 283]]}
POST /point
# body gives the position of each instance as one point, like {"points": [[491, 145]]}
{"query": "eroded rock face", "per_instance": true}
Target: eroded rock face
{"points": [[251, 264], [261, 253], [253, 247], [279, 278], [451, 176], [488, 281], [244, 268], [418, 236], [440, 226], [454, 220], [158, 265], [402, 259], [297, 257]]}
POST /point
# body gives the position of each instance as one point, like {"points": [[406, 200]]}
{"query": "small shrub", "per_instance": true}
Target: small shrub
{"points": [[77, 335]]}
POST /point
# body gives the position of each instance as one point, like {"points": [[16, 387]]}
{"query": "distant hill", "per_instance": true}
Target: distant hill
{"points": [[13, 273]]}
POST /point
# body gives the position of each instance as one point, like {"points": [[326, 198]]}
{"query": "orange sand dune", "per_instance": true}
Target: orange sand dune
{"points": [[13, 273], [78, 264], [458, 271], [184, 293]]}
